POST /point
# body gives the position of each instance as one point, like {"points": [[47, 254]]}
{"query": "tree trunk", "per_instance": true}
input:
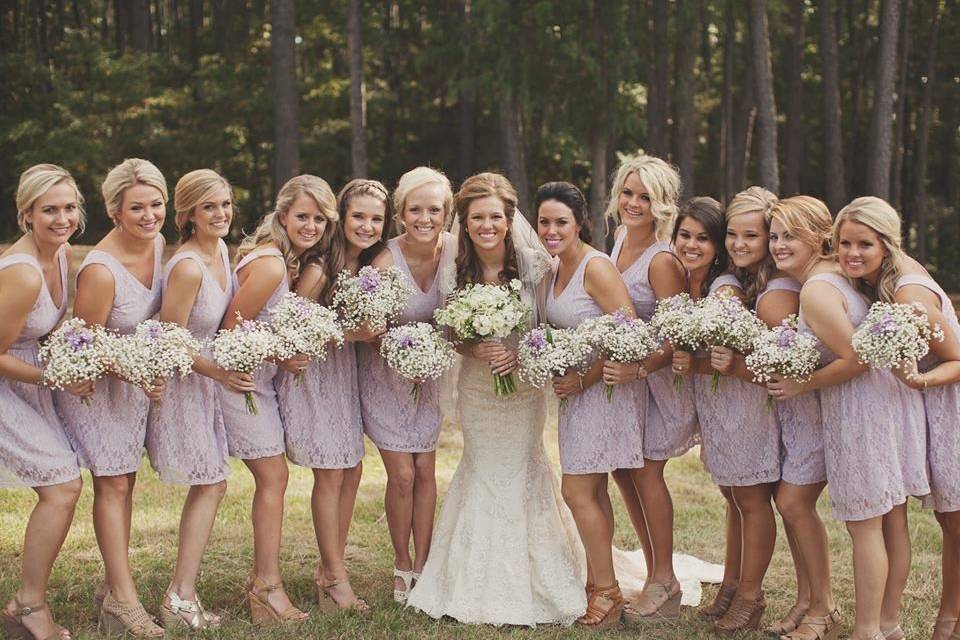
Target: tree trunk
{"points": [[832, 130], [899, 150], [286, 134], [658, 83], [140, 37], [686, 122], [768, 171], [923, 135], [794, 129], [726, 104], [598, 186], [466, 131], [358, 115], [879, 150], [120, 24], [511, 146]]}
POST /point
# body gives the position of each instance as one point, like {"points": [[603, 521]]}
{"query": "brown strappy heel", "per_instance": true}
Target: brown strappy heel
{"points": [[604, 609], [261, 611], [662, 604], [327, 604], [788, 623], [817, 628], [13, 627], [721, 602], [742, 614]]}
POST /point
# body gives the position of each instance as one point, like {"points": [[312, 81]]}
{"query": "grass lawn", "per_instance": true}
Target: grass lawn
{"points": [[699, 531]]}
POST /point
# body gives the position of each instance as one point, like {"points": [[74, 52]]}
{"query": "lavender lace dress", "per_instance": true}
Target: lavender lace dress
{"points": [[741, 438], [186, 439], [250, 437], [596, 436], [867, 470], [943, 415], [109, 435], [391, 418], [670, 426], [34, 450], [801, 429]]}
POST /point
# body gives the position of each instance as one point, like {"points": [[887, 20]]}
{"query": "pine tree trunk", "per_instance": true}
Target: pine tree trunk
{"points": [[768, 171], [511, 146], [923, 135], [879, 150], [794, 151], [467, 116], [358, 119], [686, 122], [598, 186], [286, 134], [832, 130], [726, 104], [900, 125], [140, 36], [658, 83]]}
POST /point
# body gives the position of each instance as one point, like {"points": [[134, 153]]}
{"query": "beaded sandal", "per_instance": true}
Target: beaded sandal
{"points": [[604, 609], [400, 596], [13, 627], [788, 623], [742, 614], [118, 618], [721, 602], [657, 604], [817, 628], [261, 611]]}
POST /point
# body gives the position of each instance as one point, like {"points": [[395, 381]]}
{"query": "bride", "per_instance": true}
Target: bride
{"points": [[505, 549]]}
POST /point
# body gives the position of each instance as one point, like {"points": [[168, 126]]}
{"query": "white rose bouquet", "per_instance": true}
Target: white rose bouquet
{"points": [[245, 348], [893, 333], [417, 351], [305, 326], [73, 353], [486, 312], [545, 352], [619, 337], [784, 352], [725, 322], [678, 319], [373, 297]]}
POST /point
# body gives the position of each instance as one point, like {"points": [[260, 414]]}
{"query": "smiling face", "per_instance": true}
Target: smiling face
{"points": [[861, 251], [790, 253], [747, 239], [212, 217], [557, 227], [635, 205], [363, 221], [487, 222], [693, 245], [142, 212], [423, 213], [55, 215], [304, 222]]}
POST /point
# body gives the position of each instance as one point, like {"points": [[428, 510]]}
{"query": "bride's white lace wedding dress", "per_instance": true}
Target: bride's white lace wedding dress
{"points": [[505, 549]]}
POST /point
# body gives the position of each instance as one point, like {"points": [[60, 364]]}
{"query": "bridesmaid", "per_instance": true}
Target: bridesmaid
{"points": [[741, 441], [118, 286], [862, 413], [644, 201], [321, 415], [596, 436], [34, 451], [186, 439], [866, 234], [267, 263], [406, 431]]}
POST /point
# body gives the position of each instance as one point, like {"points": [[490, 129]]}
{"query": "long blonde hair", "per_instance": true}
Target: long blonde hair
{"points": [[662, 181], [271, 228], [881, 218], [36, 181], [753, 200], [129, 173], [193, 189]]}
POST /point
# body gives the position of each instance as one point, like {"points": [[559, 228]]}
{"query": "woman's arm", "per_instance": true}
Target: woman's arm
{"points": [[773, 308], [258, 280], [946, 350], [19, 289]]}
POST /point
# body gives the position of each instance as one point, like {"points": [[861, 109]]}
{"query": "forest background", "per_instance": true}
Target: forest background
{"points": [[833, 98]]}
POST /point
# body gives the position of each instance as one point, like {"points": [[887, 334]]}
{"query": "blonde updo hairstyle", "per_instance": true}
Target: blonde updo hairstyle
{"points": [[662, 181], [414, 179], [36, 181], [192, 190], [753, 200], [881, 218], [271, 228], [129, 173]]}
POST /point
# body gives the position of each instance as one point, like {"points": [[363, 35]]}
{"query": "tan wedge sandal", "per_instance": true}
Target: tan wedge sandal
{"points": [[604, 609], [13, 627], [261, 611]]}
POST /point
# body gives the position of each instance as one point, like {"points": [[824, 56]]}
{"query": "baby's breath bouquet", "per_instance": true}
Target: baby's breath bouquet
{"points": [[545, 352], [305, 326], [893, 333], [678, 319], [785, 352], [619, 337], [725, 322], [373, 297], [486, 312], [417, 351], [73, 353], [245, 348], [154, 350]]}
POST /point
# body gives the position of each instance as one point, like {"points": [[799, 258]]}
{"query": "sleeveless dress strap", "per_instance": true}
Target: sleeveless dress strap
{"points": [[779, 284], [260, 253], [724, 280], [928, 283]]}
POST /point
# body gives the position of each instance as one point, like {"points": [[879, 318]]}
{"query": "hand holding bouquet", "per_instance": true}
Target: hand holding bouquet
{"points": [[305, 327], [545, 352], [418, 352], [245, 348], [154, 351], [893, 333], [725, 322], [372, 297], [783, 352], [619, 337], [678, 320], [73, 354]]}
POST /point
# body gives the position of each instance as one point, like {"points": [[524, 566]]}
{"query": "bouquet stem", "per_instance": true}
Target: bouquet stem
{"points": [[251, 403], [298, 378], [87, 402], [769, 402], [563, 404], [415, 392], [504, 385], [608, 391], [677, 382], [715, 382]]}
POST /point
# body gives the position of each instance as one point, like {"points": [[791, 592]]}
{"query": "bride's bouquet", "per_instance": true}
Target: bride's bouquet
{"points": [[418, 352], [619, 337], [486, 312], [245, 348], [545, 352], [785, 352], [73, 353], [373, 297], [893, 333], [725, 322], [306, 327], [678, 320]]}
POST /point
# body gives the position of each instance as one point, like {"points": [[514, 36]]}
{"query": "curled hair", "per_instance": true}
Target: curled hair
{"points": [[336, 259], [570, 196], [709, 213], [36, 181], [271, 227], [807, 219], [881, 218], [754, 200], [484, 185], [192, 190], [416, 178], [662, 181], [129, 173]]}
